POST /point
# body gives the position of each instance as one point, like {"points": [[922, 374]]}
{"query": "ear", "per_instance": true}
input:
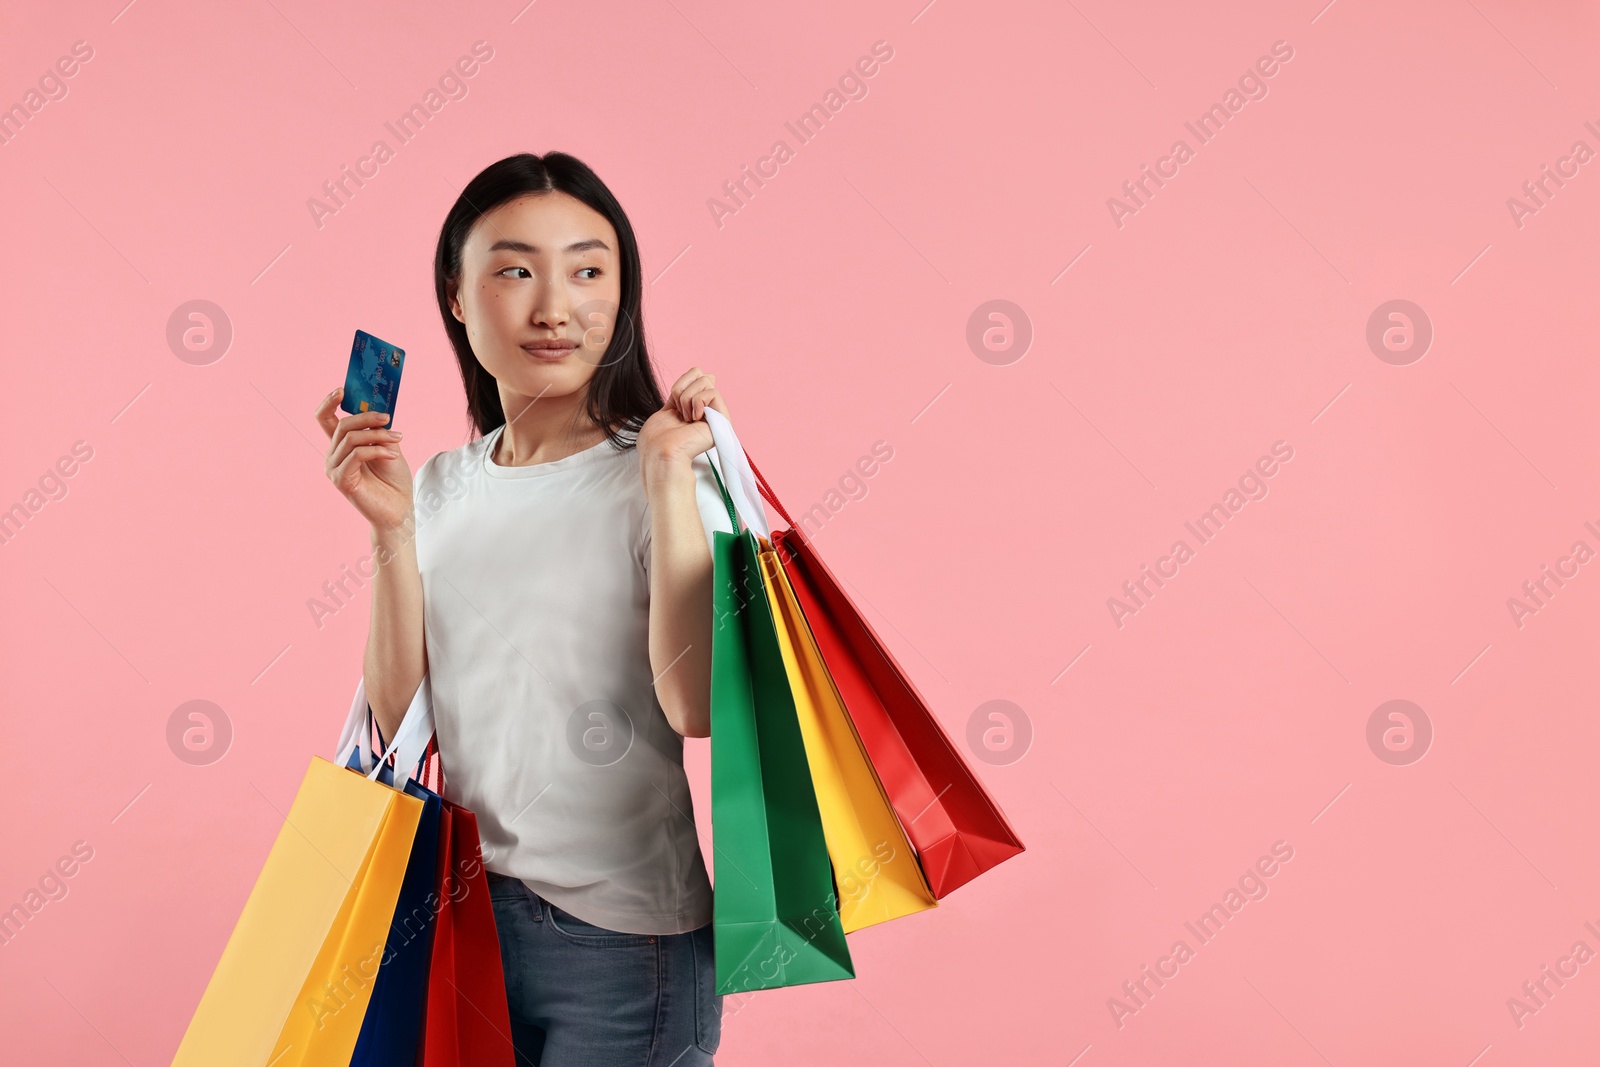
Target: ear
{"points": [[452, 292]]}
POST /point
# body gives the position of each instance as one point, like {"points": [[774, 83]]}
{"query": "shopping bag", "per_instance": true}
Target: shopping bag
{"points": [[467, 1022], [955, 826], [875, 871], [292, 985], [390, 1029], [464, 1019], [775, 919]]}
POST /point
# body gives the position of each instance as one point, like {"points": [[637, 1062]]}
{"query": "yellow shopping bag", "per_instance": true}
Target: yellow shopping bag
{"points": [[294, 981], [875, 870]]}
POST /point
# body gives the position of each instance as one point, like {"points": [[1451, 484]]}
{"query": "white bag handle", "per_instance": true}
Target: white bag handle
{"points": [[741, 480], [409, 742]]}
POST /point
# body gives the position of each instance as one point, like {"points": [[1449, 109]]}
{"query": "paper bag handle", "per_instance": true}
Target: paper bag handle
{"points": [[738, 479], [410, 740]]}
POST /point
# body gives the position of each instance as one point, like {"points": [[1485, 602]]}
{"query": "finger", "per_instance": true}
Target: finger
{"points": [[698, 387], [696, 399], [362, 456], [684, 381], [346, 473], [686, 376], [328, 414], [346, 439], [706, 389], [360, 421], [325, 411], [353, 439]]}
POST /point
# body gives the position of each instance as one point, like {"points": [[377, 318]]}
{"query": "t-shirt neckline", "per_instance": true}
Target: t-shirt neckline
{"points": [[589, 455]]}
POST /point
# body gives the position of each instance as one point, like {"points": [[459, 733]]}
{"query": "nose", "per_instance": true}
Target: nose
{"points": [[551, 308]]}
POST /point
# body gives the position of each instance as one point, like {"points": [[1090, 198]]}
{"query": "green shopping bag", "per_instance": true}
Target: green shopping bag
{"points": [[775, 914]]}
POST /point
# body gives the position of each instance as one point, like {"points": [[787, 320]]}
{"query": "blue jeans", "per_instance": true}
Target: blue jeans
{"points": [[584, 996]]}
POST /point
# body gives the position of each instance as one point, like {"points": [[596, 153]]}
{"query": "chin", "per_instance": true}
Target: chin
{"points": [[559, 380], [521, 373]]}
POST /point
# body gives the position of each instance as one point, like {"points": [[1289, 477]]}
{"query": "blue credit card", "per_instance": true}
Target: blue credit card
{"points": [[373, 381]]}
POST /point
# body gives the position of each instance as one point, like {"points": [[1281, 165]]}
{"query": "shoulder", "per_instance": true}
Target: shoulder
{"points": [[446, 472]]}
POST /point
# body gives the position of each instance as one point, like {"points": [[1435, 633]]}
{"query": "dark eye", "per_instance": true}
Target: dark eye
{"points": [[524, 270], [597, 270]]}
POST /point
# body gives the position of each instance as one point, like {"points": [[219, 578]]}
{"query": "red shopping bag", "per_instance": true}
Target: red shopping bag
{"points": [[955, 826], [467, 1022]]}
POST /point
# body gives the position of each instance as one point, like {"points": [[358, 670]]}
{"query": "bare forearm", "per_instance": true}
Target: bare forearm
{"points": [[396, 656], [680, 595]]}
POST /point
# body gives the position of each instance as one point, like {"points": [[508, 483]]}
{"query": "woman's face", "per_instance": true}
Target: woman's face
{"points": [[539, 270]]}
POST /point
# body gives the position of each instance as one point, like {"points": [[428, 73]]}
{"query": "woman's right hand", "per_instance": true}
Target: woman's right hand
{"points": [[365, 462]]}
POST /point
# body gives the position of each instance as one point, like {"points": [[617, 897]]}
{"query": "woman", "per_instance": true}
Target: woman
{"points": [[552, 580]]}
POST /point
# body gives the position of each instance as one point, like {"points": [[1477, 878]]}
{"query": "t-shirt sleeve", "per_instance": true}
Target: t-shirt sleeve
{"points": [[425, 482], [707, 497]]}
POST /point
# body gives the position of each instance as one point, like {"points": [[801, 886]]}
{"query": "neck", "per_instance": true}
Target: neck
{"points": [[543, 429]]}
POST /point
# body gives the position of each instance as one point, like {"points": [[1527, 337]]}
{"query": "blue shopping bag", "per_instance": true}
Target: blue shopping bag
{"points": [[391, 1029]]}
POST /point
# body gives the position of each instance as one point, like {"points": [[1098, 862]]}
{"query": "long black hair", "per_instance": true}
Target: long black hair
{"points": [[623, 391]]}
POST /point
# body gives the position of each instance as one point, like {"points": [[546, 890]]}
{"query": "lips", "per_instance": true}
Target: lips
{"points": [[549, 351]]}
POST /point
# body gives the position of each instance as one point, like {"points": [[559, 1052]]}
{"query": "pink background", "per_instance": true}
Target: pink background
{"points": [[1229, 313]]}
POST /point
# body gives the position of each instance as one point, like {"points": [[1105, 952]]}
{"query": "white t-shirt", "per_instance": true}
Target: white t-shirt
{"points": [[536, 593]]}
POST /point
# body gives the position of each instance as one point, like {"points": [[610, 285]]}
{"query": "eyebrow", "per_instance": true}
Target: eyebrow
{"points": [[508, 245]]}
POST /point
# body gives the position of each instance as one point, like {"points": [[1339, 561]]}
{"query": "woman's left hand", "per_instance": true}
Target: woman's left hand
{"points": [[680, 428]]}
